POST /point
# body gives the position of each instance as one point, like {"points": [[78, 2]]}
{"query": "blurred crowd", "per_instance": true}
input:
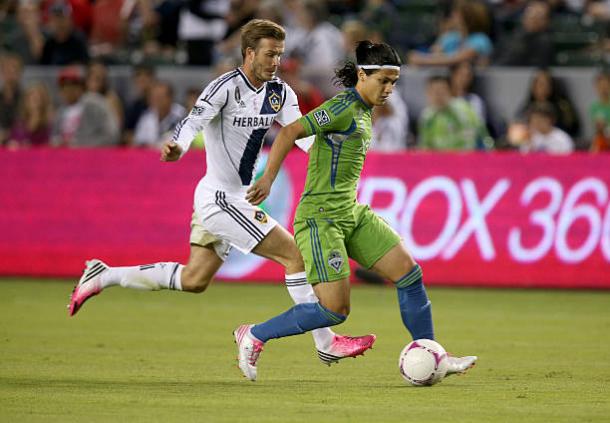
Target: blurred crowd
{"points": [[457, 39]]}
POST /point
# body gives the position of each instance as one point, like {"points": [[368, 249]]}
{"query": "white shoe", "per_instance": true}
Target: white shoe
{"points": [[459, 365], [88, 286], [248, 351]]}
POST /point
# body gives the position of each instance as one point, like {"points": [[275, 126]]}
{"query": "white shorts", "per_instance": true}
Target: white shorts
{"points": [[226, 221]]}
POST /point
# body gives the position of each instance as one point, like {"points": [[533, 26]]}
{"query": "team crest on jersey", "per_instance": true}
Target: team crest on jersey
{"points": [[321, 117], [275, 101], [260, 216], [335, 260]]}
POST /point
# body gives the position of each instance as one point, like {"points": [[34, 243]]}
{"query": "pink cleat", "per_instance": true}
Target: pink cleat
{"points": [[88, 286], [346, 346], [248, 350]]}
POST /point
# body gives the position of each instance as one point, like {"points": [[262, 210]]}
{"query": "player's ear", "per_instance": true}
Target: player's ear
{"points": [[361, 75], [250, 52]]}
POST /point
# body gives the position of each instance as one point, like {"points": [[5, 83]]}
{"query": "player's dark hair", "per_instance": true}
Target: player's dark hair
{"points": [[257, 29], [367, 53]]}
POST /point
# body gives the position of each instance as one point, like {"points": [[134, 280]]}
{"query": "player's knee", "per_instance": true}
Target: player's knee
{"points": [[200, 286], [345, 310], [339, 308], [408, 265], [195, 282]]}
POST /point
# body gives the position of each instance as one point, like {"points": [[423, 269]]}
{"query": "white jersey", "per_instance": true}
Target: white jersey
{"points": [[234, 117]]}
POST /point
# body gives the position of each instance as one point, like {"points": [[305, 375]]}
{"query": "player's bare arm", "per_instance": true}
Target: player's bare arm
{"points": [[170, 152], [284, 142]]}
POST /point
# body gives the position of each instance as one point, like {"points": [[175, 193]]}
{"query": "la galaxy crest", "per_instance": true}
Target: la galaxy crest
{"points": [[260, 216], [275, 101], [335, 260]]}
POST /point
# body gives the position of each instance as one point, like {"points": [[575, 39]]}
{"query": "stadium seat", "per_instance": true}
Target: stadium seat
{"points": [[417, 29], [580, 58], [563, 41], [418, 6]]}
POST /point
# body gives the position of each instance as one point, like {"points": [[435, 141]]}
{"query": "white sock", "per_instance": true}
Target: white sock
{"points": [[149, 277], [302, 292]]}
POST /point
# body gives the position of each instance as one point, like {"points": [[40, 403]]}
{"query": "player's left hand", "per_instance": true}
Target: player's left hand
{"points": [[259, 191]]}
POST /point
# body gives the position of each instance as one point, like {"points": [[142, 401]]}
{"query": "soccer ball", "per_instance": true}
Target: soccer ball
{"points": [[423, 362]]}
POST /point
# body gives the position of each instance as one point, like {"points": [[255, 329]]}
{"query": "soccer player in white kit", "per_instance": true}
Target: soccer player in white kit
{"points": [[234, 111]]}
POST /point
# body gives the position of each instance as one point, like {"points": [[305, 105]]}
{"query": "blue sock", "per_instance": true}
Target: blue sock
{"points": [[414, 304], [299, 319]]}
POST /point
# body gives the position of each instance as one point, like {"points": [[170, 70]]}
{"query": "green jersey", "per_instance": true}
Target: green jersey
{"points": [[456, 127], [600, 112], [342, 126]]}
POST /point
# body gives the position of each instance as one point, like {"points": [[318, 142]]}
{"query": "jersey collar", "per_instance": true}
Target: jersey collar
{"points": [[243, 75], [355, 91]]}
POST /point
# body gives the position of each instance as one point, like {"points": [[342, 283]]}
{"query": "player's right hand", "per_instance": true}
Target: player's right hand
{"points": [[170, 152], [259, 191]]}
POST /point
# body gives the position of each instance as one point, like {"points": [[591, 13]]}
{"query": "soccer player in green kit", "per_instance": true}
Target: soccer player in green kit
{"points": [[330, 225]]}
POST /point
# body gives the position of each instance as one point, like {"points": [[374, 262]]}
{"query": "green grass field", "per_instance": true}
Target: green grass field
{"points": [[169, 357]]}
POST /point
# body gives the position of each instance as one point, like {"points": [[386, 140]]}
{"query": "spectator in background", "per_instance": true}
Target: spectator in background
{"points": [[599, 113], [97, 82], [462, 82], [167, 14], [64, 44], [390, 125], [143, 79], [107, 31], [546, 89], [598, 10], [85, 119], [241, 12], [202, 24], [468, 42], [378, 17], [32, 128], [13, 34], [11, 70], [530, 45], [449, 123], [153, 26], [320, 44], [81, 13], [29, 17], [543, 136], [353, 31], [192, 94], [157, 123]]}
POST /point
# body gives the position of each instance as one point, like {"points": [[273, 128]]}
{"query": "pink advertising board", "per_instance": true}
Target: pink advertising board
{"points": [[479, 219]]}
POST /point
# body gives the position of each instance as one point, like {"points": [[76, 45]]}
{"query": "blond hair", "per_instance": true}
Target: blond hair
{"points": [[257, 29], [42, 115]]}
